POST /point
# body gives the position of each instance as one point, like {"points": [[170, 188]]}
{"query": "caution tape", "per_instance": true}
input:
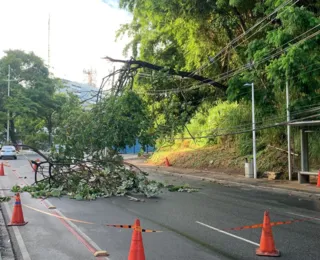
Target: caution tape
{"points": [[139, 229], [91, 223], [289, 221], [278, 223], [54, 215], [135, 228], [245, 227]]}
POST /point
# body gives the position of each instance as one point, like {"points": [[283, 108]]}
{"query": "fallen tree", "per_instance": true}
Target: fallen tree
{"points": [[85, 164], [89, 179]]}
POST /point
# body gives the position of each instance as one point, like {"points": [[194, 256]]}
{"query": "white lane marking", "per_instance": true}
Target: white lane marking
{"points": [[21, 244], [303, 216], [228, 234]]}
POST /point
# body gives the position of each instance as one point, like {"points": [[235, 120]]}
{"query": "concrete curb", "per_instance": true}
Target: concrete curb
{"points": [[6, 240], [243, 184]]}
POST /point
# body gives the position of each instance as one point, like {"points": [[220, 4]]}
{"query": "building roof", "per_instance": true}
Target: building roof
{"points": [[85, 92]]}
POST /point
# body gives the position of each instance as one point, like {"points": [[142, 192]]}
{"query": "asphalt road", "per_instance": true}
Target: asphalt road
{"points": [[192, 223]]}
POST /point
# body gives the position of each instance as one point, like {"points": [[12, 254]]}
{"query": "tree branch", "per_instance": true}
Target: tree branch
{"points": [[183, 74], [242, 23]]}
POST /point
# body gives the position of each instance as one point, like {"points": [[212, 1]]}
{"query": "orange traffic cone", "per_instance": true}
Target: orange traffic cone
{"points": [[167, 162], [267, 247], [1, 170], [318, 182], [17, 215], [136, 249]]}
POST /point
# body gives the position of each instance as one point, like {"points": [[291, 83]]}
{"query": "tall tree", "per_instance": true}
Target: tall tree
{"points": [[33, 92], [232, 42], [116, 121]]}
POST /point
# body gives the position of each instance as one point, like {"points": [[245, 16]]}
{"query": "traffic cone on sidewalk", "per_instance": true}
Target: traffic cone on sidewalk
{"points": [[267, 247], [1, 170], [167, 162], [17, 215], [318, 182], [136, 249]]}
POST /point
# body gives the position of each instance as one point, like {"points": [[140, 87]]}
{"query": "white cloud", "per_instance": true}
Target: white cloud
{"points": [[82, 31]]}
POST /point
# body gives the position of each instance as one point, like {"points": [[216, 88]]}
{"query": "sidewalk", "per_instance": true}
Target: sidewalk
{"points": [[309, 190]]}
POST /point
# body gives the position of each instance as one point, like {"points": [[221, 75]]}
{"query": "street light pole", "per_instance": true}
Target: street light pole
{"points": [[8, 115], [253, 132]]}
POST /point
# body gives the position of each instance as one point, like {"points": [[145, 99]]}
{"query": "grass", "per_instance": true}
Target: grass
{"points": [[220, 158]]}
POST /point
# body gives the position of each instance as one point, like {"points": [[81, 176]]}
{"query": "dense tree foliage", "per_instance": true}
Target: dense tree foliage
{"points": [[33, 98], [111, 124], [231, 42], [190, 60], [41, 115]]}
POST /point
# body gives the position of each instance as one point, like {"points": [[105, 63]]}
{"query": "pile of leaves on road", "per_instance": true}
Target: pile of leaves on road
{"points": [[181, 188], [92, 179]]}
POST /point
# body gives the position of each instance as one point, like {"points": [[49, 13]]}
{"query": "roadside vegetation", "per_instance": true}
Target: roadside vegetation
{"points": [[203, 124], [184, 87]]}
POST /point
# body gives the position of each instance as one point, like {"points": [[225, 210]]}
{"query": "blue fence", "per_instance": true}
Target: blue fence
{"points": [[136, 149]]}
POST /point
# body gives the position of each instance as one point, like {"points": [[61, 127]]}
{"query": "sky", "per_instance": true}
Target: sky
{"points": [[82, 32]]}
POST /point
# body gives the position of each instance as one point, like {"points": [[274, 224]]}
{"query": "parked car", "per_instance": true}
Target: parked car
{"points": [[8, 151]]}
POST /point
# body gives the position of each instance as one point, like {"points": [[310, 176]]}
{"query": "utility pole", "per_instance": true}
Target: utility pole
{"points": [[253, 132], [254, 135], [8, 115], [288, 132]]}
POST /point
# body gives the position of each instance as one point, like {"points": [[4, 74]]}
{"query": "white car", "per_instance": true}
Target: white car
{"points": [[8, 151]]}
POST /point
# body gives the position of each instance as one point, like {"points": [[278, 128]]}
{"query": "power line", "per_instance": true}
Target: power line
{"points": [[264, 25], [237, 71], [243, 68], [241, 36], [268, 119], [249, 130], [193, 87], [234, 72], [245, 33]]}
